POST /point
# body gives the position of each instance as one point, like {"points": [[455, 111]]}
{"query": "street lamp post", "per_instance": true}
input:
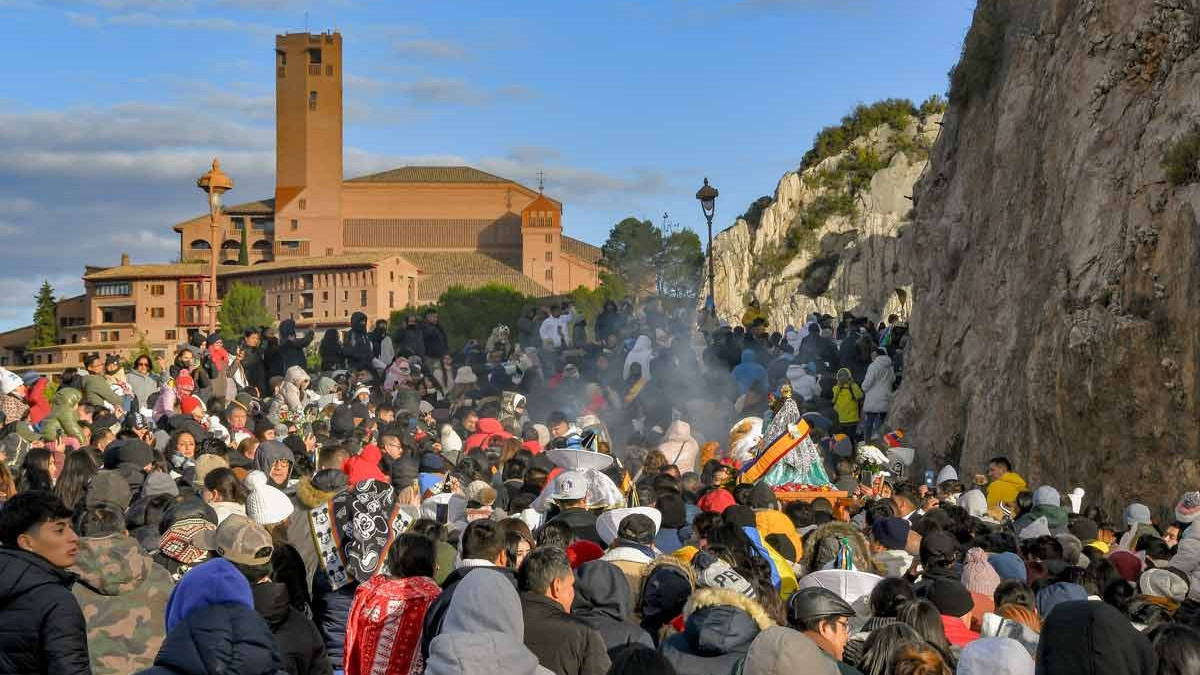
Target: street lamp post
{"points": [[214, 183], [708, 204]]}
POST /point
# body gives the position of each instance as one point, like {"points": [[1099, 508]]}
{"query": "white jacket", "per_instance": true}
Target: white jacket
{"points": [[1187, 560], [877, 385]]}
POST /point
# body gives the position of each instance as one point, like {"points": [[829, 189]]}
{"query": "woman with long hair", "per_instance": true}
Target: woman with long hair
{"points": [[923, 616], [384, 625], [78, 469], [181, 452], [36, 471], [883, 644], [8, 486], [918, 660]]}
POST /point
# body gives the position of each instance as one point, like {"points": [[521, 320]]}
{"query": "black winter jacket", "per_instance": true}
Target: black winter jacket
{"points": [[716, 635], [288, 352], [225, 638], [563, 644], [41, 627], [331, 611], [301, 648], [437, 344], [582, 523], [602, 602]]}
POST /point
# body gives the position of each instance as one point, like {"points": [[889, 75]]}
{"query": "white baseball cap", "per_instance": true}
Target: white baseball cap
{"points": [[570, 485]]}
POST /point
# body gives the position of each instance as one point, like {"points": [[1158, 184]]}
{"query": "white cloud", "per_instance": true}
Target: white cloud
{"points": [[430, 48]]}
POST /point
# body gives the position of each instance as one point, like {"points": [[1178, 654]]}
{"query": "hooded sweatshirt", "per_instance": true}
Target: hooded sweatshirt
{"points": [[483, 629], [1005, 489], [719, 626], [641, 353], [679, 447], [123, 593], [602, 602], [995, 656], [750, 371]]}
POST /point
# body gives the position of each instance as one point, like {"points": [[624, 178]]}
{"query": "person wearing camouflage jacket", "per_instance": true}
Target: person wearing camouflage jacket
{"points": [[122, 592]]}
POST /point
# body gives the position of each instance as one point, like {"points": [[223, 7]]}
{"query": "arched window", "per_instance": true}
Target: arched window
{"points": [[231, 245], [261, 245], [200, 245]]}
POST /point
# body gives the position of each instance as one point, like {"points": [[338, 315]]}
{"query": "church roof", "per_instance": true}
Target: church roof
{"points": [[163, 271], [442, 269], [430, 174], [581, 249], [310, 263], [261, 207]]}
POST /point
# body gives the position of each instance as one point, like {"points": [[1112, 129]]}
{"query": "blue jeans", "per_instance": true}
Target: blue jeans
{"points": [[872, 425]]}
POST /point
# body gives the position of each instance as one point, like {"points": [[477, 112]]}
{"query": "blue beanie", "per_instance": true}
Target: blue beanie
{"points": [[215, 582], [1009, 566]]}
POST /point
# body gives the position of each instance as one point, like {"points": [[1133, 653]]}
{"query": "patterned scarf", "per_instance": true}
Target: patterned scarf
{"points": [[383, 631], [355, 529]]}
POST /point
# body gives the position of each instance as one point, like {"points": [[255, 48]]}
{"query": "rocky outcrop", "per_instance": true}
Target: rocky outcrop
{"points": [[1056, 272], [851, 262]]}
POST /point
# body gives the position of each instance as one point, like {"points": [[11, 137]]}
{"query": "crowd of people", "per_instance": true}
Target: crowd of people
{"points": [[558, 496]]}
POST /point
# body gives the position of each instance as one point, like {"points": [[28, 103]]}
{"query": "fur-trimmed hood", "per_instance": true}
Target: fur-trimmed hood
{"points": [[310, 496], [719, 597], [836, 529]]}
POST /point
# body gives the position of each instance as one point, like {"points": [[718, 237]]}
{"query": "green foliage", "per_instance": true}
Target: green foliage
{"points": [[590, 301], [141, 348], [244, 251], [1181, 161], [934, 105], [631, 251], [753, 214], [242, 307], [45, 323], [643, 259], [472, 313], [894, 112], [981, 53], [680, 264]]}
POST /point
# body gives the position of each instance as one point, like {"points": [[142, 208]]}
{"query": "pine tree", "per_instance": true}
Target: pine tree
{"points": [[244, 253], [45, 323], [242, 307]]}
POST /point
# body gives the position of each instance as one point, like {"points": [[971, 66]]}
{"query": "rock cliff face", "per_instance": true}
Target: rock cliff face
{"points": [[852, 260], [1056, 271]]}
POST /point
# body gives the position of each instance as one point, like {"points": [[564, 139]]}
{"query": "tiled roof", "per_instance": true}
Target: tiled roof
{"points": [[319, 262], [430, 174], [581, 249], [442, 269], [166, 271], [262, 207]]}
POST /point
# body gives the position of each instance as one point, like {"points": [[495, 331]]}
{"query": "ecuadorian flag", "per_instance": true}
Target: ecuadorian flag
{"points": [[755, 469]]}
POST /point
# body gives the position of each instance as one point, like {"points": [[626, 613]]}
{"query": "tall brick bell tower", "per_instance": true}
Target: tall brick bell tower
{"points": [[308, 144]]}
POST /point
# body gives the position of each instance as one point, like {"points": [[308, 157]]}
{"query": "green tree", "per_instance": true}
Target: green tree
{"points": [[472, 313], [242, 307], [244, 251], [632, 252], [590, 301], [45, 323], [679, 265]]}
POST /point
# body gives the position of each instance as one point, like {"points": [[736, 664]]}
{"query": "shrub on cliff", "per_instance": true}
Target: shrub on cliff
{"points": [[1182, 158], [894, 112]]}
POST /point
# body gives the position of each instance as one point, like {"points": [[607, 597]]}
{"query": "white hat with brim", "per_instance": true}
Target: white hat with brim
{"points": [[610, 521], [579, 460]]}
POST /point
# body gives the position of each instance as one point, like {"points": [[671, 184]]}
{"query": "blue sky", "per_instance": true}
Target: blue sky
{"points": [[114, 106]]}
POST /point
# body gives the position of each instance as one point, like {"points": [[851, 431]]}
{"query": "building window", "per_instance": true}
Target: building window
{"points": [[295, 226], [157, 312], [326, 314], [391, 299], [324, 296], [189, 291], [549, 239], [391, 276], [549, 256], [549, 275], [158, 289], [312, 100], [345, 312], [346, 296], [314, 55], [362, 298], [169, 334], [106, 290], [280, 57], [237, 223], [103, 337], [303, 204], [115, 335], [278, 303]]}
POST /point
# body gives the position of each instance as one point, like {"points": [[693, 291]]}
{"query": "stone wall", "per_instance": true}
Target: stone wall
{"points": [[1056, 272]]}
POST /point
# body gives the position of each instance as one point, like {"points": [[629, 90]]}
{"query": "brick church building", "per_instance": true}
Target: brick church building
{"points": [[324, 246]]}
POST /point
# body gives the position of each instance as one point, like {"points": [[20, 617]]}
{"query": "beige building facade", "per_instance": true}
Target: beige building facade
{"points": [[323, 247]]}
